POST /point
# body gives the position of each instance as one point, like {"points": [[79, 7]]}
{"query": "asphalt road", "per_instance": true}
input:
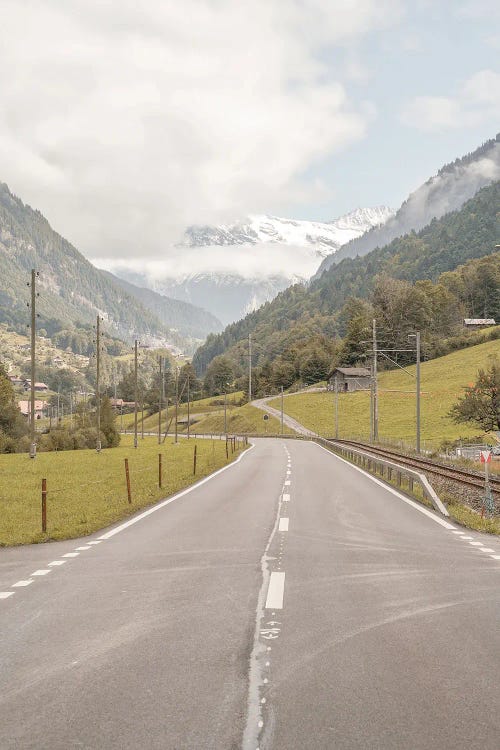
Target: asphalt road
{"points": [[249, 613]]}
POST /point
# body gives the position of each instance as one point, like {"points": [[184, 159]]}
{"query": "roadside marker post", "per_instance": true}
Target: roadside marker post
{"points": [[159, 470], [127, 478], [44, 505], [488, 503], [194, 460]]}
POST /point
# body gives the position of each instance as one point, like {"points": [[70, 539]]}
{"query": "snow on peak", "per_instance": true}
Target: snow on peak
{"points": [[323, 237]]}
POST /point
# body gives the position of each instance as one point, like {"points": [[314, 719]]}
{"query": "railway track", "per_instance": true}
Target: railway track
{"points": [[426, 465]]}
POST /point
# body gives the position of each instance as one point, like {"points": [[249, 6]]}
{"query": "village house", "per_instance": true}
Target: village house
{"points": [[349, 379], [38, 386], [25, 407]]}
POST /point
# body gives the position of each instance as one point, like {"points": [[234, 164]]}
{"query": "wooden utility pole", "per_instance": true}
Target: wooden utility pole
{"points": [[249, 367], [34, 274], [375, 386], [336, 387], [98, 384], [189, 406], [160, 395], [135, 393], [176, 400]]}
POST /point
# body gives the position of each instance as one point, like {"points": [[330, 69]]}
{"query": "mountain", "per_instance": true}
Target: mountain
{"points": [[72, 290], [446, 191], [240, 266], [301, 313], [189, 321]]}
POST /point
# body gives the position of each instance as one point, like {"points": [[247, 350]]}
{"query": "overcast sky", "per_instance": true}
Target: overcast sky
{"points": [[124, 121]]}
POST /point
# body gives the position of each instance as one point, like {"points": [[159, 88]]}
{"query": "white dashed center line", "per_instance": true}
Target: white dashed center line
{"points": [[283, 524], [6, 594], [42, 572], [71, 554], [495, 557], [98, 541], [276, 591], [286, 498], [54, 563], [287, 483], [22, 583], [80, 549], [476, 544], [486, 549]]}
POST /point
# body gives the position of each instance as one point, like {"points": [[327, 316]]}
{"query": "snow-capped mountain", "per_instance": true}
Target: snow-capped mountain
{"points": [[326, 237], [240, 266]]}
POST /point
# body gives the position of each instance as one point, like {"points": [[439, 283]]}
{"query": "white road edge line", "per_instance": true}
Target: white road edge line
{"points": [[406, 500], [283, 524], [172, 499], [276, 591]]}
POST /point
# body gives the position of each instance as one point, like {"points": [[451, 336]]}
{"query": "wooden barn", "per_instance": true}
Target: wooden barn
{"points": [[350, 379]]}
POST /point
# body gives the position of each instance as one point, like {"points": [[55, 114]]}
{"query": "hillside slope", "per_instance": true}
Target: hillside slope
{"points": [[443, 381], [71, 289], [446, 243], [446, 191]]}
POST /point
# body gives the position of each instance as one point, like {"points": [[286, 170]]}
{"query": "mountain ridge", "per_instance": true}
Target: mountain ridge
{"points": [[446, 191]]}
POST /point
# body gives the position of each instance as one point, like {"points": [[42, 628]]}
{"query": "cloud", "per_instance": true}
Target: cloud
{"points": [[477, 101], [123, 122]]}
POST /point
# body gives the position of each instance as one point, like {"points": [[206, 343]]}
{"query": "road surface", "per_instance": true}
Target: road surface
{"points": [[262, 403], [289, 602]]}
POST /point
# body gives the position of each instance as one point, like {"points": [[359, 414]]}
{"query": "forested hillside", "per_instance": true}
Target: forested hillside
{"points": [[419, 275], [72, 290], [446, 191]]}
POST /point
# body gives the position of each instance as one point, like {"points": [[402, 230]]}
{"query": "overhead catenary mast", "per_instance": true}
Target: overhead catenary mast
{"points": [[249, 367]]}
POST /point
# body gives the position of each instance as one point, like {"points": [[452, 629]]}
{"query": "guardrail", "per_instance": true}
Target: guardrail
{"points": [[376, 465]]}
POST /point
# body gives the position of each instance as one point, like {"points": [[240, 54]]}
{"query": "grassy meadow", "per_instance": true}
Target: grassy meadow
{"points": [[87, 491], [442, 382], [209, 416]]}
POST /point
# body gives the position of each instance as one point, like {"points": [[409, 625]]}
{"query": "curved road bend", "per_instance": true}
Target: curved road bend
{"points": [[381, 629]]}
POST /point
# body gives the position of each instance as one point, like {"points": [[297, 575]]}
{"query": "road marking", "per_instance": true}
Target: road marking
{"points": [[417, 506], [458, 532], [463, 538], [286, 498], [71, 554], [80, 549], [42, 572], [56, 562], [172, 499], [276, 591], [22, 583], [97, 541], [476, 544], [486, 549], [287, 482], [284, 525], [6, 594], [495, 557]]}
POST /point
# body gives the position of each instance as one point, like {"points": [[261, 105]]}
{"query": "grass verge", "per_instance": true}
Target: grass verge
{"points": [[87, 491], [467, 517]]}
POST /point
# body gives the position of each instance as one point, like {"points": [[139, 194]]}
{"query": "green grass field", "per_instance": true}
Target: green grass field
{"points": [[443, 381], [209, 416], [87, 491]]}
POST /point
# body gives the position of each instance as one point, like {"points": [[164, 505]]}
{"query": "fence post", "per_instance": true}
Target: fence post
{"points": [[44, 505], [227, 451], [159, 470], [194, 460], [127, 477]]}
